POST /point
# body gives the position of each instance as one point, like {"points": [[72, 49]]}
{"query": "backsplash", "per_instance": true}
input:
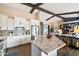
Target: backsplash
{"points": [[3, 33], [14, 32]]}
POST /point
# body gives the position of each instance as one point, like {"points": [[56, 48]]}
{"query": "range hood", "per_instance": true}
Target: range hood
{"points": [[20, 31], [19, 28]]}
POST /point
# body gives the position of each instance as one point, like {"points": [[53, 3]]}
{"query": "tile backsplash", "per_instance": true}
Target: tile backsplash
{"points": [[14, 33], [3, 33]]}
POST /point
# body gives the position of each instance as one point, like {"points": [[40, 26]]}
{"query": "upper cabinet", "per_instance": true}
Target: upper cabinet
{"points": [[3, 22], [18, 21], [21, 22], [10, 23], [0, 21], [27, 24], [6, 23]]}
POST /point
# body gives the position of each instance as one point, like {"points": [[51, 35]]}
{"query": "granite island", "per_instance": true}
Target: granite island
{"points": [[48, 46]]}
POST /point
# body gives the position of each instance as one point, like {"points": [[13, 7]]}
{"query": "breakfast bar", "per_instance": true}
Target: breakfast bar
{"points": [[48, 46]]}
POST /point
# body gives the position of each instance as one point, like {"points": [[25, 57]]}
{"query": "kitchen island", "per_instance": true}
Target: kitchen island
{"points": [[48, 46]]}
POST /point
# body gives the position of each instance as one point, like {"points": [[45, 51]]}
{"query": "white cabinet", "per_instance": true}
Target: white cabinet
{"points": [[10, 42], [21, 22], [27, 25], [6, 23], [0, 22], [10, 23], [52, 53], [35, 51], [13, 41], [18, 21], [3, 21]]}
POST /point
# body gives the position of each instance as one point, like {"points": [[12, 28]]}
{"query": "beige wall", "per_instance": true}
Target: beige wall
{"points": [[55, 23]]}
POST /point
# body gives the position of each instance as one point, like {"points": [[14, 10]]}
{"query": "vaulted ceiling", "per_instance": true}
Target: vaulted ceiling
{"points": [[61, 10], [50, 10]]}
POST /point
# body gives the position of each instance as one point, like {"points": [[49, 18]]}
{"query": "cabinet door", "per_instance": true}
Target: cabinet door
{"points": [[23, 22], [27, 24], [10, 23], [18, 22], [0, 21], [35, 51], [4, 22]]}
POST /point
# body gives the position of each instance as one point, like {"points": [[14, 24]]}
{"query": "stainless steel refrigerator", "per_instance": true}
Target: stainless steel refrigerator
{"points": [[34, 31]]}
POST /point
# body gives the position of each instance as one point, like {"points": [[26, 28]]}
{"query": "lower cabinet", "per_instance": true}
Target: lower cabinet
{"points": [[35, 51], [53, 53]]}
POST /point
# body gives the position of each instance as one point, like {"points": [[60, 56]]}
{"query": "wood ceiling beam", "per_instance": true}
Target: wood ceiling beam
{"points": [[49, 18], [71, 19], [54, 16], [75, 12], [33, 8], [46, 11], [31, 5], [41, 9]]}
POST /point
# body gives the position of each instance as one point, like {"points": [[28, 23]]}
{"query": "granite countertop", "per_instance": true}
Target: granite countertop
{"points": [[48, 45], [3, 37], [67, 35], [13, 41]]}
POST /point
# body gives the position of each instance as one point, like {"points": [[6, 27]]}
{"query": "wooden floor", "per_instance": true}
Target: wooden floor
{"points": [[68, 51], [22, 50], [25, 50]]}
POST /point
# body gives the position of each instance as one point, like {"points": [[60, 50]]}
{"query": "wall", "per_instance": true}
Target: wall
{"points": [[55, 23]]}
